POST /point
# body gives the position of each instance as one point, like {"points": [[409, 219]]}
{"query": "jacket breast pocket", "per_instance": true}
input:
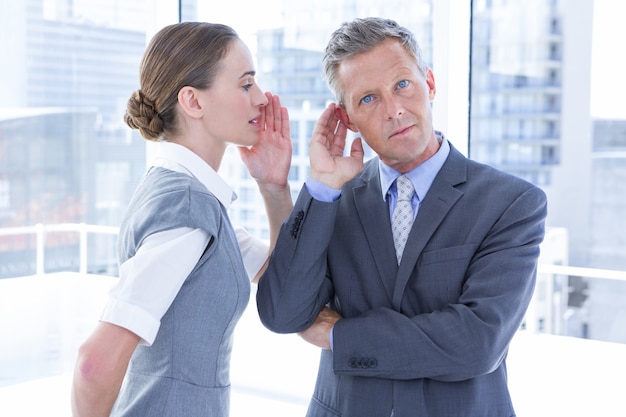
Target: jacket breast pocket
{"points": [[440, 275], [448, 255]]}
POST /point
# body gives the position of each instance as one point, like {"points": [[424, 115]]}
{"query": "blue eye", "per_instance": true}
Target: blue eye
{"points": [[403, 84], [366, 99]]}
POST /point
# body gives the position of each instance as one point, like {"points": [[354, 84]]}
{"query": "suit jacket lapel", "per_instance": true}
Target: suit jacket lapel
{"points": [[373, 214], [440, 198]]}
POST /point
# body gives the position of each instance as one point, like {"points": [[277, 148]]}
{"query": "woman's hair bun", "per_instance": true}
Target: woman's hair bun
{"points": [[142, 115]]}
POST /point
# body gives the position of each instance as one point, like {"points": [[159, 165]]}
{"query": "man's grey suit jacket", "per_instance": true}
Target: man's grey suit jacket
{"points": [[428, 337]]}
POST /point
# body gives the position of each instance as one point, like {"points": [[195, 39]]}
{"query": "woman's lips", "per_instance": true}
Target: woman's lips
{"points": [[256, 121]]}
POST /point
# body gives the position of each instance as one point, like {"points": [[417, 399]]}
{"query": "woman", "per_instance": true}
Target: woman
{"points": [[167, 328]]}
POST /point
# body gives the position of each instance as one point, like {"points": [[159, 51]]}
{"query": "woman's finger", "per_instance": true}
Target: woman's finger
{"points": [[269, 112]]}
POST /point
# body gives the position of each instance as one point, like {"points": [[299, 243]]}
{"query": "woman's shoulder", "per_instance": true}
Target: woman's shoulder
{"points": [[180, 197]]}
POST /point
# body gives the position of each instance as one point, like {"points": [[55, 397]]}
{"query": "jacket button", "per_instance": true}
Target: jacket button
{"points": [[295, 226]]}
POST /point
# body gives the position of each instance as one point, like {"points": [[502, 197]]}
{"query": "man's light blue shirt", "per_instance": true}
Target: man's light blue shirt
{"points": [[421, 176]]}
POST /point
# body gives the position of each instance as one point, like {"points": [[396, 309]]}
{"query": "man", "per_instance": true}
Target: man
{"points": [[419, 331]]}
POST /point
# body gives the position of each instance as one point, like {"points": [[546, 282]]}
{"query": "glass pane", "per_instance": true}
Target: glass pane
{"points": [[65, 154], [546, 89], [68, 167]]}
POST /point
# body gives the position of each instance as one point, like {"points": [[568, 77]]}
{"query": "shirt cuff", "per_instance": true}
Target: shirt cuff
{"points": [[321, 192], [132, 318]]}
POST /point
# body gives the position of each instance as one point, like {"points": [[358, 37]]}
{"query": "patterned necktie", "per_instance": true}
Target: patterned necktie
{"points": [[402, 218]]}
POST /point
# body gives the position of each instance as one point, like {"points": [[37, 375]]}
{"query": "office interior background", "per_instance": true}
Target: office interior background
{"points": [[532, 87]]}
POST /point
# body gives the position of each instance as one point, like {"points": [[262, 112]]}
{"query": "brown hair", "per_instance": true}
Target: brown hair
{"points": [[179, 55]]}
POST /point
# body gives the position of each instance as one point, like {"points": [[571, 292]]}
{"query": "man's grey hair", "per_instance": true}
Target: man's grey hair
{"points": [[360, 36]]}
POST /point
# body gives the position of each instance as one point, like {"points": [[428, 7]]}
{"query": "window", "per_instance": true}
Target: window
{"points": [[558, 137]]}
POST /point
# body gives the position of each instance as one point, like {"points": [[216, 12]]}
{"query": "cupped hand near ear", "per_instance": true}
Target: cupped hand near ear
{"points": [[328, 163]]}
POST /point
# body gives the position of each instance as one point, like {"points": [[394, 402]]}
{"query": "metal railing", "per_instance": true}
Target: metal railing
{"points": [[41, 231], [548, 312], [557, 303]]}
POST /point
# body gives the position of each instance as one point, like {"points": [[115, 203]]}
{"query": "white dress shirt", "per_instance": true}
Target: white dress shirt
{"points": [[150, 280]]}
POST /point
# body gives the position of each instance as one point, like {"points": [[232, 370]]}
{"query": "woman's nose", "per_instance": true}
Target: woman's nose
{"points": [[261, 98]]}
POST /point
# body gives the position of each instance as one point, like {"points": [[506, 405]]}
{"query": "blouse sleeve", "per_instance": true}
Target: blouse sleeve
{"points": [[150, 280], [253, 250]]}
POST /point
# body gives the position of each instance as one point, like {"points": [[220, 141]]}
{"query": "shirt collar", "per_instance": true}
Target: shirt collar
{"points": [[421, 176], [178, 158]]}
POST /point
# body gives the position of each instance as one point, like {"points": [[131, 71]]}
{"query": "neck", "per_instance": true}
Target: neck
{"points": [[210, 152]]}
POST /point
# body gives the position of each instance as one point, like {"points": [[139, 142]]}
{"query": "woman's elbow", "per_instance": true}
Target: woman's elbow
{"points": [[91, 368]]}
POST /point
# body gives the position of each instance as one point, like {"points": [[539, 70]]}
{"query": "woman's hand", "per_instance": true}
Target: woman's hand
{"points": [[269, 160]]}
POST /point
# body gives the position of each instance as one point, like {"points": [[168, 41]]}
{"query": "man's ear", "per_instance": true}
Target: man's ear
{"points": [[342, 115], [189, 103], [430, 81]]}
